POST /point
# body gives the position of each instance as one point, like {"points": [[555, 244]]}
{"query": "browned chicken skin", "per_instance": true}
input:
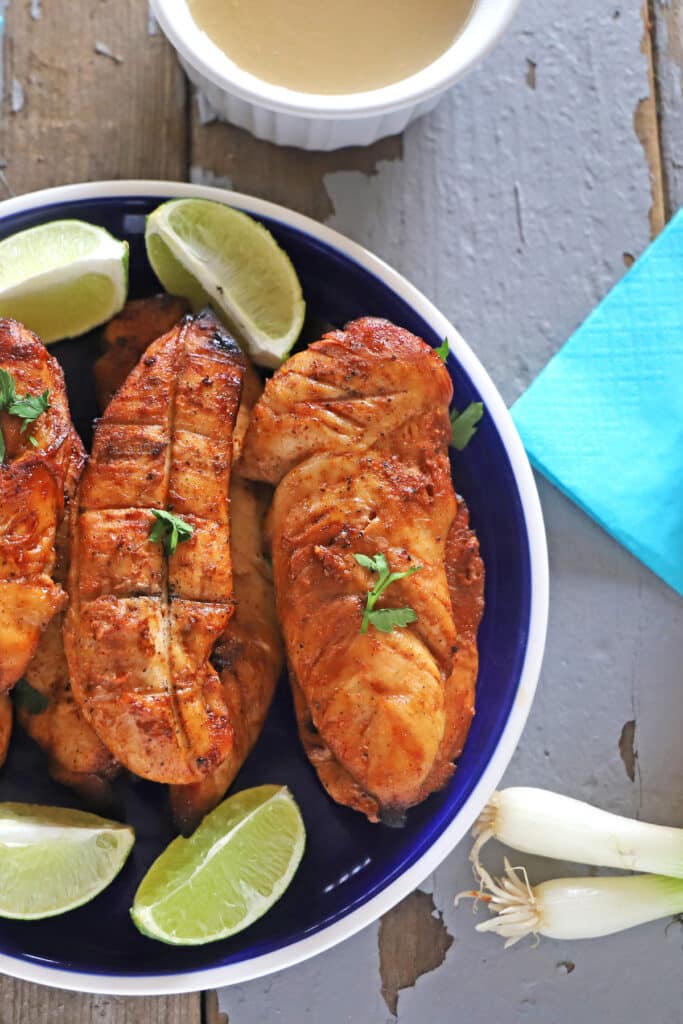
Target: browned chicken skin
{"points": [[141, 626], [355, 434], [128, 335], [31, 500], [76, 757]]}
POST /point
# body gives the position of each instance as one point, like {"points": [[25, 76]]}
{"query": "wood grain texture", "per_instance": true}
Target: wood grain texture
{"points": [[23, 1003], [221, 154], [647, 129], [89, 94], [668, 44]]}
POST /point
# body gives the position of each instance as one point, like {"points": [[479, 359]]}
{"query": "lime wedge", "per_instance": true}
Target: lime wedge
{"points": [[228, 874], [63, 278], [210, 253], [53, 859]]}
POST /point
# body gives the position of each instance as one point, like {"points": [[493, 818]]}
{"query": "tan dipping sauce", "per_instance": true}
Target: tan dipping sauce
{"points": [[332, 46]]}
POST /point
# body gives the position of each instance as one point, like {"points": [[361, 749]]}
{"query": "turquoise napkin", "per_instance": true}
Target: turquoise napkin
{"points": [[604, 420]]}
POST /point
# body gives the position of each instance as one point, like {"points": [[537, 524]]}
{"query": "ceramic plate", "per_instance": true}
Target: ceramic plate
{"points": [[352, 871]]}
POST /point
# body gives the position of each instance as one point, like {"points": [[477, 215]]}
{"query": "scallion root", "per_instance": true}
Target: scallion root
{"points": [[510, 898]]}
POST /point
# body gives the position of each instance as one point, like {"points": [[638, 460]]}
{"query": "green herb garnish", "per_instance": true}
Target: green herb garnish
{"points": [[464, 424], [27, 697], [384, 619], [170, 530], [28, 408], [442, 350], [8, 391]]}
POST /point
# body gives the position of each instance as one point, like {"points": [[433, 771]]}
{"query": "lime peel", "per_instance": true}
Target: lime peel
{"points": [[63, 278], [247, 850], [53, 859], [209, 252]]}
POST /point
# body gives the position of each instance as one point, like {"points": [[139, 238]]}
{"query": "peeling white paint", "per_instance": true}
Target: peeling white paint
{"points": [[102, 50], [4, 6], [16, 96], [200, 176], [152, 23]]}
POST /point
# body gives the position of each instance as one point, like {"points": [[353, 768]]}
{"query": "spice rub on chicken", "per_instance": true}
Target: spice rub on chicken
{"points": [[37, 443], [150, 580], [378, 577]]}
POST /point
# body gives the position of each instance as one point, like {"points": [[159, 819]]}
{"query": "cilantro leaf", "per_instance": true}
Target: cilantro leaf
{"points": [[170, 529], [464, 424], [29, 408], [378, 564], [375, 563], [8, 391], [442, 350], [27, 697], [388, 619]]}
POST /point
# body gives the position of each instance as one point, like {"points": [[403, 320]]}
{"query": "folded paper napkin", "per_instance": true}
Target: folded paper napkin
{"points": [[604, 420]]}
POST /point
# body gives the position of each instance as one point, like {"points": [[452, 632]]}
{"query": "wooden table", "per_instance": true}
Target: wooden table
{"points": [[515, 206]]}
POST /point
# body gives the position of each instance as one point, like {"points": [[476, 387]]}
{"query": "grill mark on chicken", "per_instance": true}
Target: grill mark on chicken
{"points": [[152, 695]]}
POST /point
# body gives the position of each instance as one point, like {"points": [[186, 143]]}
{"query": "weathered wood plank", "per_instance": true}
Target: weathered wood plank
{"points": [[89, 93], [668, 38], [21, 1003]]}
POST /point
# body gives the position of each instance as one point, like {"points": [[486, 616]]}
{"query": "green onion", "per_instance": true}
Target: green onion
{"points": [[544, 823], [573, 908]]}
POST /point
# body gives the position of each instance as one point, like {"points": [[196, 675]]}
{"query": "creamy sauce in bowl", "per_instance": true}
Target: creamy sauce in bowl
{"points": [[332, 46]]}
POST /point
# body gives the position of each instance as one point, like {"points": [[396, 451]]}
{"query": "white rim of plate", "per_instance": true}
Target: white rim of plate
{"points": [[326, 938]]}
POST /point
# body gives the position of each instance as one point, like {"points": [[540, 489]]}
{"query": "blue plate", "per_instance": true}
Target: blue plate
{"points": [[352, 871]]}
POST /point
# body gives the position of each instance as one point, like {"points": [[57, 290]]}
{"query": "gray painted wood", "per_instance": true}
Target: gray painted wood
{"points": [[668, 21], [516, 208]]}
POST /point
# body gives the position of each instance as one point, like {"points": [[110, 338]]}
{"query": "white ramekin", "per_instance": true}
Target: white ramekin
{"points": [[312, 121]]}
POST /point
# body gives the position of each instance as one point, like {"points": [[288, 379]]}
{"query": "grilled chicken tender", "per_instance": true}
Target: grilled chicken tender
{"points": [[141, 625], [31, 500], [128, 335], [248, 656], [355, 434], [76, 757]]}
